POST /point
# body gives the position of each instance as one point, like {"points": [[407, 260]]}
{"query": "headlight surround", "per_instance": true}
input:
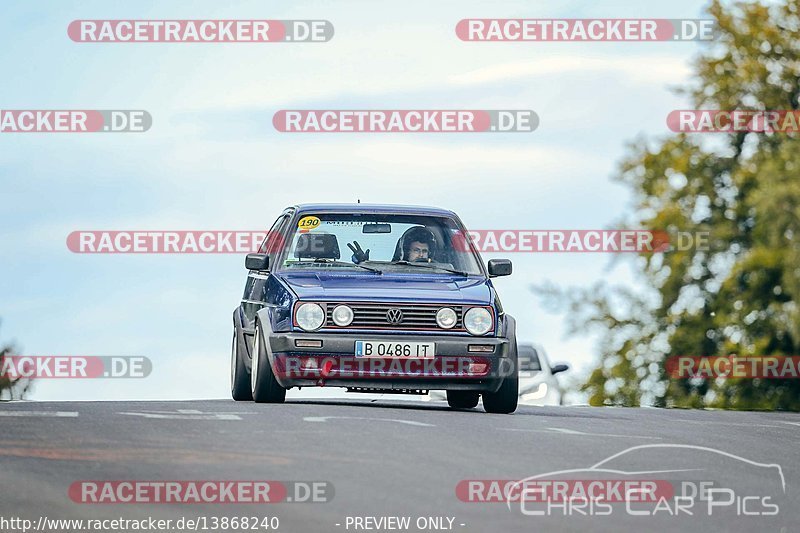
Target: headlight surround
{"points": [[538, 393], [446, 318], [478, 321], [342, 315], [309, 316]]}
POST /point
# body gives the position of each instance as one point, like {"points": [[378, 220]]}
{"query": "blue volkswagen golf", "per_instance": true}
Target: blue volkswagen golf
{"points": [[373, 298]]}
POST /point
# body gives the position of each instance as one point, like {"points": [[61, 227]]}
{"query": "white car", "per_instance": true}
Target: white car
{"points": [[537, 382]]}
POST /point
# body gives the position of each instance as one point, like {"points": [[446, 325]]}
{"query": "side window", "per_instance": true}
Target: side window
{"points": [[535, 364], [263, 248], [273, 242], [528, 359]]}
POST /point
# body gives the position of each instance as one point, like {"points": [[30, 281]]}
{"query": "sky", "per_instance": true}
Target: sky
{"points": [[212, 160]]}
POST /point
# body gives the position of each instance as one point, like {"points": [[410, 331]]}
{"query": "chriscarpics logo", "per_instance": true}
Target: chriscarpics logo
{"points": [[670, 482]]}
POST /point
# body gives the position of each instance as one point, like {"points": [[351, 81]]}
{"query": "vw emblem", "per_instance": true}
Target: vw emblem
{"points": [[394, 316]]}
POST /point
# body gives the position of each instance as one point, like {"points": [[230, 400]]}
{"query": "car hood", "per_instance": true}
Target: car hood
{"points": [[357, 286], [530, 380]]}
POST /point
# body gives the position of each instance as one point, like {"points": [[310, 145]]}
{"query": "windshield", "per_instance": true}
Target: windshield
{"points": [[380, 243], [528, 359]]}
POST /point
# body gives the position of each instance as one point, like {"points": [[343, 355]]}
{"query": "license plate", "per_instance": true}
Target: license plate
{"points": [[423, 350]]}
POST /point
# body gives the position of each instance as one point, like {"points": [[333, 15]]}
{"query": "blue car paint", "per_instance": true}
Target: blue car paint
{"points": [[388, 287], [278, 290]]}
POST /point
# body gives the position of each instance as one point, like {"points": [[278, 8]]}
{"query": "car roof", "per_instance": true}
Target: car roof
{"points": [[535, 345], [528, 348], [374, 208]]}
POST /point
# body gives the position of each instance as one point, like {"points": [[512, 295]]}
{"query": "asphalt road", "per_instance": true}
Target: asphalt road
{"points": [[402, 459]]}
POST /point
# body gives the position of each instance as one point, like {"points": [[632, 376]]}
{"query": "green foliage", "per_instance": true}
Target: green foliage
{"points": [[12, 389], [739, 296]]}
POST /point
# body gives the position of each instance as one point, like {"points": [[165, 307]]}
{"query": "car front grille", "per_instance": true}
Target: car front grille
{"points": [[377, 316]]}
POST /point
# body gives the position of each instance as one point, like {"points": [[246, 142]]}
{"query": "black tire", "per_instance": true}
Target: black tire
{"points": [[462, 399], [240, 377], [263, 384], [504, 401]]}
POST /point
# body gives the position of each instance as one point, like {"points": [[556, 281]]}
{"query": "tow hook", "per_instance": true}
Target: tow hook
{"points": [[324, 371]]}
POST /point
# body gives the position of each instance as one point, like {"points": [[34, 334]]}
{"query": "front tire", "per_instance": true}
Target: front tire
{"points": [[264, 386], [240, 377], [505, 400], [462, 399]]}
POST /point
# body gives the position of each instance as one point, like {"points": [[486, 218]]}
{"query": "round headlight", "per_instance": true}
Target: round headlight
{"points": [[310, 316], [478, 321], [446, 318], [342, 315]]}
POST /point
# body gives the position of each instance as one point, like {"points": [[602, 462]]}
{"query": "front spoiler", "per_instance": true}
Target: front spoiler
{"points": [[335, 364]]}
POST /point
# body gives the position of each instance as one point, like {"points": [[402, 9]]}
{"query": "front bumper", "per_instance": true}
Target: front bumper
{"points": [[334, 364]]}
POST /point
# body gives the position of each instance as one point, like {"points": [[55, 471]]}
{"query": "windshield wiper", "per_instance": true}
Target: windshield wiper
{"points": [[429, 267], [342, 263]]}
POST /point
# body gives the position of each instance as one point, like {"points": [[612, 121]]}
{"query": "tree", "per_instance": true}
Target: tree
{"points": [[740, 296], [11, 388]]}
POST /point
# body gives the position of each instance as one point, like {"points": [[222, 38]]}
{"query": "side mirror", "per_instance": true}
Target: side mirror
{"points": [[559, 368], [499, 267], [257, 262]]}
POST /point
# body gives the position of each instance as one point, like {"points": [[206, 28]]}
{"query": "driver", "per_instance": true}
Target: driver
{"points": [[418, 245]]}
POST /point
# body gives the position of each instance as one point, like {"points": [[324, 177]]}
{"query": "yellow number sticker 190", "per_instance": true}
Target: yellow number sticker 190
{"points": [[307, 223]]}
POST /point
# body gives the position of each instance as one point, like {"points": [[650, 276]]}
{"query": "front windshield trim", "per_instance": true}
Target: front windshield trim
{"points": [[342, 264], [426, 266]]}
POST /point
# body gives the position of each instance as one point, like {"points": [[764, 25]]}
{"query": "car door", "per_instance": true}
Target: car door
{"points": [[256, 289]]}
